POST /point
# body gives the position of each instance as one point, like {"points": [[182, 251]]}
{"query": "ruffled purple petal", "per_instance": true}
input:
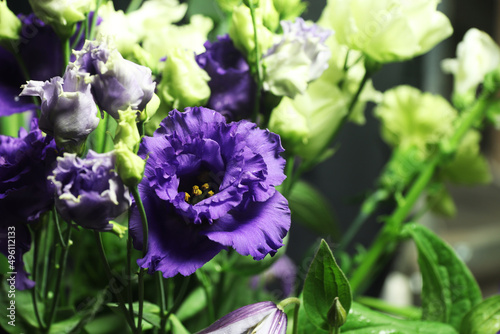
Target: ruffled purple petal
{"points": [[257, 229], [16, 246], [231, 84]]}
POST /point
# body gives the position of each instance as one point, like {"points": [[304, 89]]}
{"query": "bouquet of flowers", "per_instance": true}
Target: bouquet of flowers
{"points": [[151, 165]]}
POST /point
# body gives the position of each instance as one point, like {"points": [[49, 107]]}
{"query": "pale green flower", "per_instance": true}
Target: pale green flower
{"points": [[62, 15], [242, 33], [184, 83], [387, 30], [477, 55], [129, 166], [126, 130], [10, 25], [160, 41], [412, 118], [270, 17], [289, 9], [228, 5]]}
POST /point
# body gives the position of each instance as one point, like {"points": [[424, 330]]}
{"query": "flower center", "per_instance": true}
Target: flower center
{"points": [[199, 194]]}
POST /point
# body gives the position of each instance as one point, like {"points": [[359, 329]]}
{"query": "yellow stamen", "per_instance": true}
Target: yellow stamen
{"points": [[205, 186], [186, 197], [197, 191], [210, 193]]}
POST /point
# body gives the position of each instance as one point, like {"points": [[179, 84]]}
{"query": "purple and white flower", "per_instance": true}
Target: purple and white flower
{"points": [[89, 191], [25, 193], [299, 58], [258, 318], [231, 84], [69, 113], [208, 186], [117, 83]]}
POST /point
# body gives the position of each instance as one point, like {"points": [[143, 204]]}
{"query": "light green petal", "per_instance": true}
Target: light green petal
{"points": [[10, 25]]}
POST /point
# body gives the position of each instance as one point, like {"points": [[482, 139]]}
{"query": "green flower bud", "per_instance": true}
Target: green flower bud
{"points": [[184, 83], [337, 315], [10, 25], [242, 33], [289, 124], [126, 130], [228, 5], [151, 109], [129, 166], [270, 16], [62, 15], [289, 9]]}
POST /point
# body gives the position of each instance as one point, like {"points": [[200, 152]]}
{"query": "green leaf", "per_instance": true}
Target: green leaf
{"points": [[362, 320], [310, 209], [323, 283], [483, 318], [449, 290], [194, 303]]}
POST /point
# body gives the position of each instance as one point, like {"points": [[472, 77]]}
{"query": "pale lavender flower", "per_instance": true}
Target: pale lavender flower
{"points": [[259, 318]]}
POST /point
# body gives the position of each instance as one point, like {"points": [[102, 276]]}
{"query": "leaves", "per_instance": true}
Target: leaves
{"points": [[310, 208], [323, 283], [449, 289], [483, 318]]}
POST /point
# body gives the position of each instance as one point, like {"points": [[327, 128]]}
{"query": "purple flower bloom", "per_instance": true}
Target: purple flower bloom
{"points": [[279, 279], [89, 192], [232, 86], [117, 83], [263, 318], [69, 113], [25, 193], [209, 185], [36, 38]]}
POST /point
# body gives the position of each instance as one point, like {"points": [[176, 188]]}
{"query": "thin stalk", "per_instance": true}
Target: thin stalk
{"points": [[47, 237], [144, 220], [58, 227], [200, 274], [66, 53], [177, 302], [80, 34], [36, 248], [109, 275], [257, 64], [288, 183], [62, 266], [104, 137], [129, 273], [386, 240], [289, 301], [92, 31], [162, 302]]}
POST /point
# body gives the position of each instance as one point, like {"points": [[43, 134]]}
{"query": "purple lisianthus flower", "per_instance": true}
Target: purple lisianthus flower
{"points": [[89, 191], [258, 318], [40, 50], [209, 185], [69, 113], [231, 84], [279, 279], [25, 193], [117, 83]]}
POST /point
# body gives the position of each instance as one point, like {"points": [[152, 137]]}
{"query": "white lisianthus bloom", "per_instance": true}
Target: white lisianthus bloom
{"points": [[387, 30], [477, 55], [62, 15]]}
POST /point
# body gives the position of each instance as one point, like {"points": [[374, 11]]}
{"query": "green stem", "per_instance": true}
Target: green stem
{"points": [[66, 53], [295, 329], [36, 248], [92, 31], [200, 274], [129, 272], [162, 301], [58, 227], [288, 183], [257, 64], [62, 266], [144, 220], [386, 240], [109, 275], [133, 5], [104, 137], [177, 302]]}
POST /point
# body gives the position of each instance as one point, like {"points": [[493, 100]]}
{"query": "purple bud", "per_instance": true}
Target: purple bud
{"points": [[259, 318], [117, 83], [89, 191]]}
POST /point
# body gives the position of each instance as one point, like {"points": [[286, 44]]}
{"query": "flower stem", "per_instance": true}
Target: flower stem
{"points": [[58, 227], [177, 302], [36, 248], [258, 66], [109, 275], [92, 30], [142, 271], [296, 301], [162, 301], [386, 241], [202, 277], [62, 266], [66, 47], [129, 273]]}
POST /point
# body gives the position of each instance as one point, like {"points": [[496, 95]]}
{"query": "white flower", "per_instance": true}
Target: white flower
{"points": [[387, 30], [477, 55]]}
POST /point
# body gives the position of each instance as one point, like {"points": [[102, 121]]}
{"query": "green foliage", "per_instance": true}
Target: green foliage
{"points": [[449, 289], [324, 281], [483, 318], [310, 208]]}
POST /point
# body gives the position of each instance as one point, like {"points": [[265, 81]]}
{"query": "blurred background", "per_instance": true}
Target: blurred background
{"points": [[361, 154]]}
